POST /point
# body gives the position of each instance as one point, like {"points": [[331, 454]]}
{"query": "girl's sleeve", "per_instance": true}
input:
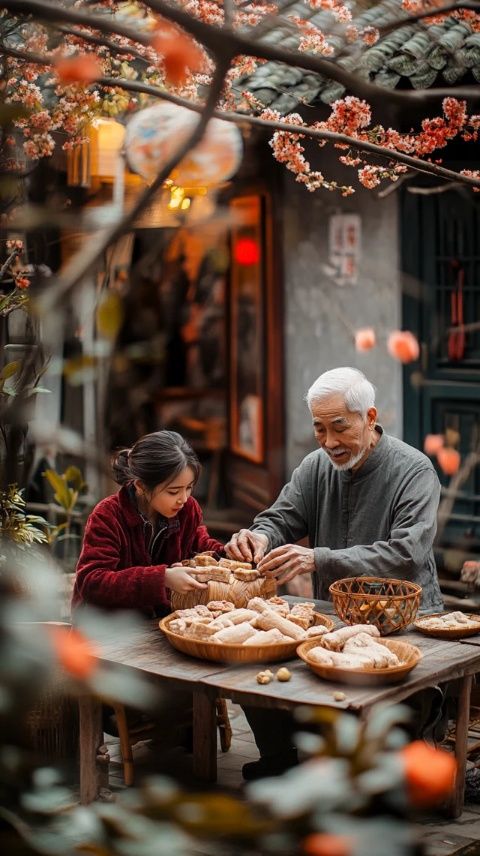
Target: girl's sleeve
{"points": [[102, 582]]}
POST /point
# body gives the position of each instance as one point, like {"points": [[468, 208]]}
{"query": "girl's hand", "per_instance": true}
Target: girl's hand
{"points": [[178, 579]]}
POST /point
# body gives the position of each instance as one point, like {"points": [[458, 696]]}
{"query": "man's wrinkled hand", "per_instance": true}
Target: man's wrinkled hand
{"points": [[247, 546], [285, 563]]}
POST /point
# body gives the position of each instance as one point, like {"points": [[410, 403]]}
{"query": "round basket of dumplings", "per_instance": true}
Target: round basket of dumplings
{"points": [[263, 631], [448, 625], [357, 655]]}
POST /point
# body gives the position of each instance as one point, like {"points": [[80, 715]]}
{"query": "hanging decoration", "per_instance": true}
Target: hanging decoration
{"points": [[154, 134], [98, 158]]}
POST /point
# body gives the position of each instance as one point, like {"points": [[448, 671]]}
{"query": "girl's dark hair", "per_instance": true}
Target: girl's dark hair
{"points": [[154, 459]]}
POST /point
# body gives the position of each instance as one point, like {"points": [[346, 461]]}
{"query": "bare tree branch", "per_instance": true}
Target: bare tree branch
{"points": [[228, 12], [97, 40], [392, 188], [446, 506], [7, 263], [421, 16], [432, 191]]}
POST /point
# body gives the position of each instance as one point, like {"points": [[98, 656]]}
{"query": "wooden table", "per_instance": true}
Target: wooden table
{"points": [[148, 652]]}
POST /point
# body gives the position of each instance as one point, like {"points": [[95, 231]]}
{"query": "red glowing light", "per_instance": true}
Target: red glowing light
{"points": [[246, 251]]}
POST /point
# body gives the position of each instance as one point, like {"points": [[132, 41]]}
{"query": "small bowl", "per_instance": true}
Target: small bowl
{"points": [[388, 604], [408, 654], [447, 632]]}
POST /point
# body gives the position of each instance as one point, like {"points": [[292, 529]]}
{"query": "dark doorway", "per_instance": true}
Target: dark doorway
{"points": [[441, 290]]}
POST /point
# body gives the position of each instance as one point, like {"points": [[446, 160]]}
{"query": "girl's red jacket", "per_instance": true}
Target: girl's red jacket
{"points": [[115, 569]]}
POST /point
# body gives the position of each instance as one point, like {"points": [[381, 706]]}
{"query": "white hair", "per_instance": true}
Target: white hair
{"points": [[357, 391]]}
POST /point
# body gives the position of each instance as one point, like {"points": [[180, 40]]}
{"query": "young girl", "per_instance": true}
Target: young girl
{"points": [[133, 538]]}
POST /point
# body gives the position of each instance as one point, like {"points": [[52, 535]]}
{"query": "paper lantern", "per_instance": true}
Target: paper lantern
{"points": [[97, 159], [106, 138], [155, 133]]}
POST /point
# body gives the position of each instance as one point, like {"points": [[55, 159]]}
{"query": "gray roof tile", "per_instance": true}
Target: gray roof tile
{"points": [[416, 55]]}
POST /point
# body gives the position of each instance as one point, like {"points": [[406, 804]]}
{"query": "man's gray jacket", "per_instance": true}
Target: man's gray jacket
{"points": [[378, 521]]}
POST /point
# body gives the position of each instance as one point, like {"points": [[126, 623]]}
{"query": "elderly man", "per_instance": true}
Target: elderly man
{"points": [[367, 503]]}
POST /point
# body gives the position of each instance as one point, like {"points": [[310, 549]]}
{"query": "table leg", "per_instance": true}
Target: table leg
{"points": [[204, 736], [454, 806], [91, 738]]}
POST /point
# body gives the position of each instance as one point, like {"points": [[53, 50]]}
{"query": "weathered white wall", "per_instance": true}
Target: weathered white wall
{"points": [[320, 316]]}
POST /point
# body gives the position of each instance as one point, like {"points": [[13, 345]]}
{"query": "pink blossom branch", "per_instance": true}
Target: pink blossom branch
{"points": [[226, 44], [314, 133], [414, 163], [136, 86]]}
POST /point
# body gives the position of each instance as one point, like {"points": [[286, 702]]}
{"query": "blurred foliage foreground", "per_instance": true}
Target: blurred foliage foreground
{"points": [[353, 796]]}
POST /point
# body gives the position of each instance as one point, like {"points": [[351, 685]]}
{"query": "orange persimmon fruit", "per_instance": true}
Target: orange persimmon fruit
{"points": [[433, 443], [403, 346], [365, 339], [429, 773], [449, 461], [75, 653], [326, 844]]}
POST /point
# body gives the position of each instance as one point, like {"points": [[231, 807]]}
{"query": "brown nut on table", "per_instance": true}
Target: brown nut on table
{"points": [[264, 678], [283, 674]]}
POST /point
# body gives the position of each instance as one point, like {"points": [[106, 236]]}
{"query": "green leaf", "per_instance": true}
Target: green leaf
{"points": [[37, 390]]}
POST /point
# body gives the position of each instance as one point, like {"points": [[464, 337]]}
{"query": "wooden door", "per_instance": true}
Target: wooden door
{"points": [[255, 469]]}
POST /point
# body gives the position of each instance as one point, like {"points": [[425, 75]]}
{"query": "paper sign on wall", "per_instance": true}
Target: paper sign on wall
{"points": [[344, 242]]}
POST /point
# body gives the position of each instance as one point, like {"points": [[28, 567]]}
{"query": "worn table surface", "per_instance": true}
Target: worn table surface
{"points": [[147, 651], [150, 652]]}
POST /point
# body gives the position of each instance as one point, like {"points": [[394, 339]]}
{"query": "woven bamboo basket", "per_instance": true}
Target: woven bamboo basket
{"points": [[225, 653], [388, 604], [236, 591], [447, 632], [409, 655]]}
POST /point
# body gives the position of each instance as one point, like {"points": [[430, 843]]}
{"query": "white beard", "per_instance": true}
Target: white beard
{"points": [[348, 465]]}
